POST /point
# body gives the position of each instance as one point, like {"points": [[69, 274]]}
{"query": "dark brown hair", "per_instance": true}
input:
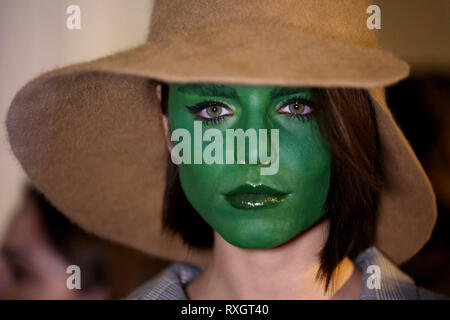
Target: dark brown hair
{"points": [[350, 127]]}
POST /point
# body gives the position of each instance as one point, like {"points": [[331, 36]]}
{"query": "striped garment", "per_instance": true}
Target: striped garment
{"points": [[394, 284]]}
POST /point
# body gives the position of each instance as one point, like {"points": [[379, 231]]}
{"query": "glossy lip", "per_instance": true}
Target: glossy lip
{"points": [[249, 196]]}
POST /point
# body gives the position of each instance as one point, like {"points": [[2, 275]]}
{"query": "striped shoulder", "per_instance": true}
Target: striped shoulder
{"points": [[168, 284]]}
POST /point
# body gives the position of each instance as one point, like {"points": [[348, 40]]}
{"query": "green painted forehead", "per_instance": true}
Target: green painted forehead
{"points": [[232, 91]]}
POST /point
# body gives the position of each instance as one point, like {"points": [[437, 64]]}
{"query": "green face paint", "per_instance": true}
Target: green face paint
{"points": [[248, 209]]}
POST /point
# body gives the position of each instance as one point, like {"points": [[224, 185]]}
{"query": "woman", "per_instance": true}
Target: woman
{"points": [[345, 182], [39, 246]]}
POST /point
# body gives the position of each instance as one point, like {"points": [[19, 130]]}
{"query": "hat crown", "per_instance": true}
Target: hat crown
{"points": [[344, 20]]}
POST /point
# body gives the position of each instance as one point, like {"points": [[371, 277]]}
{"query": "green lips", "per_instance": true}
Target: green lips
{"points": [[254, 197]]}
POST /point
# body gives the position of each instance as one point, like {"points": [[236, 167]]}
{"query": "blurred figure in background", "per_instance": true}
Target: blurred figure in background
{"points": [[41, 243]]}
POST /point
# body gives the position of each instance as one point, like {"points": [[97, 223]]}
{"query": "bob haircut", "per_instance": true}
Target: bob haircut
{"points": [[356, 178]]}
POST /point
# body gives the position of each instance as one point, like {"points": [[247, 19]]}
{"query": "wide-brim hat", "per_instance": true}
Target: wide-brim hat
{"points": [[90, 137]]}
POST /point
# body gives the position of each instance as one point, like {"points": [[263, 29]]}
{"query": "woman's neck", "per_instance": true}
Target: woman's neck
{"points": [[285, 272]]}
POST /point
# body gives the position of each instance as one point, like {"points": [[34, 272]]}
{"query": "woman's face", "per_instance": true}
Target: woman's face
{"points": [[247, 208]]}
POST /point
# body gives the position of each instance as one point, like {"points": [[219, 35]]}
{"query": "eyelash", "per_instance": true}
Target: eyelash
{"points": [[202, 105], [303, 118]]}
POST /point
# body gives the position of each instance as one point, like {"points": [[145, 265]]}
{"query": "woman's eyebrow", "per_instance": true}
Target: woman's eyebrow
{"points": [[209, 90]]}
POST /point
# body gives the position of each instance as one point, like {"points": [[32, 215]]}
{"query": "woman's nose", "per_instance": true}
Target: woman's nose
{"points": [[252, 139]]}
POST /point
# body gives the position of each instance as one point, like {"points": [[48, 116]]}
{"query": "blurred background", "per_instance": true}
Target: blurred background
{"points": [[34, 39]]}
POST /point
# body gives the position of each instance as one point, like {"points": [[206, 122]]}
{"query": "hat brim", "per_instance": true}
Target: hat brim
{"points": [[89, 136], [226, 58]]}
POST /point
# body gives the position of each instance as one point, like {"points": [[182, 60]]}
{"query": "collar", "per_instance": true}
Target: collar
{"points": [[382, 280]]}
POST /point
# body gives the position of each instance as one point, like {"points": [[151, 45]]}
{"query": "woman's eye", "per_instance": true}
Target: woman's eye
{"points": [[296, 109], [215, 111], [211, 112]]}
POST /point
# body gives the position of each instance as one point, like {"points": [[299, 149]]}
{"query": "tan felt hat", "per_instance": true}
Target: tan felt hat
{"points": [[89, 136]]}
